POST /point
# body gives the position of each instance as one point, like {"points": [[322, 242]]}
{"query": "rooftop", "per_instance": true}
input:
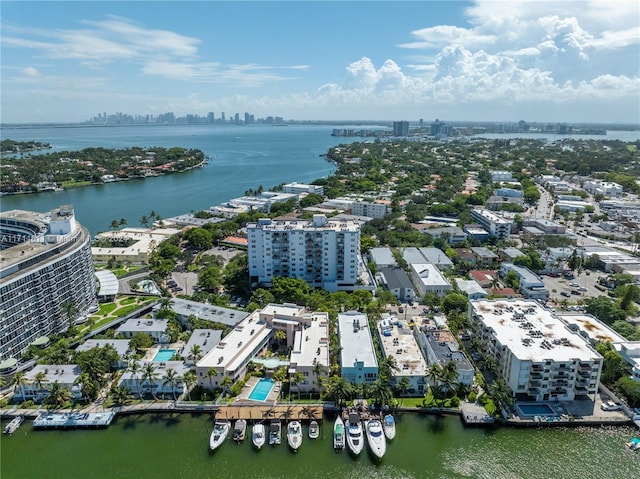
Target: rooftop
{"points": [[356, 340], [144, 325], [206, 339], [531, 332], [62, 373], [446, 349], [401, 345], [311, 344], [430, 275], [215, 314], [120, 345], [594, 329]]}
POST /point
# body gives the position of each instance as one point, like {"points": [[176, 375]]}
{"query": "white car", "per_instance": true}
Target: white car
{"points": [[610, 406]]}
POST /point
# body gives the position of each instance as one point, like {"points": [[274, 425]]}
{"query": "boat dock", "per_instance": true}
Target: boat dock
{"points": [[73, 420], [474, 414], [284, 412]]}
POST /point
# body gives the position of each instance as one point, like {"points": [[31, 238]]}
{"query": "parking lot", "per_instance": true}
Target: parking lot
{"points": [[572, 290]]}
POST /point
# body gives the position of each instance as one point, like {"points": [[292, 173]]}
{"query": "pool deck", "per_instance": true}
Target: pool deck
{"points": [[271, 399]]}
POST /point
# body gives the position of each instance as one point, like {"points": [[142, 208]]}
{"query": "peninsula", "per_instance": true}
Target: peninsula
{"points": [[68, 169]]}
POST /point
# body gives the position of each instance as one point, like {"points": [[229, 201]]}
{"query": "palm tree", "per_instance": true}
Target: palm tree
{"points": [[435, 374], [115, 224], [381, 392], [39, 380], [19, 381], [134, 369], [88, 386], [58, 395], [165, 303], [144, 221], [403, 385], [226, 382], [501, 393], [339, 389], [70, 310], [172, 378], [195, 353], [190, 380], [211, 373], [450, 376], [120, 395], [297, 378], [387, 366], [149, 374]]}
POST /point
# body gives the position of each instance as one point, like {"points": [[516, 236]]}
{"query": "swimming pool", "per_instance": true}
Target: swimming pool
{"points": [[164, 355], [261, 390], [542, 409]]}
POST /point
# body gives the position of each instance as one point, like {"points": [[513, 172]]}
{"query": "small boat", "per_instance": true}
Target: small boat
{"points": [[13, 425], [219, 434], [338, 434], [275, 433], [258, 437], [375, 438], [355, 438], [314, 430], [634, 444], [294, 435], [239, 430], [389, 426]]}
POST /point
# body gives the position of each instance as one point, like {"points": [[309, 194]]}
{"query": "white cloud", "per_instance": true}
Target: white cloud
{"points": [[31, 72], [444, 34]]}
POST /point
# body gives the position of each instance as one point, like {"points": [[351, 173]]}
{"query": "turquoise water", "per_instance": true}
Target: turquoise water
{"points": [[426, 447], [261, 390], [164, 355]]}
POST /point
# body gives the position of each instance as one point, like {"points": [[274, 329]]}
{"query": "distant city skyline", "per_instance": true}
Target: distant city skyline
{"points": [[483, 60]]}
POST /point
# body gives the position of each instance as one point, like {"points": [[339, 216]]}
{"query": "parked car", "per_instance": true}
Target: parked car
{"points": [[566, 294], [400, 309], [610, 406]]}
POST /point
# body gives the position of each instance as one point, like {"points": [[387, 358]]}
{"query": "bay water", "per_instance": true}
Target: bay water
{"points": [[177, 446]]}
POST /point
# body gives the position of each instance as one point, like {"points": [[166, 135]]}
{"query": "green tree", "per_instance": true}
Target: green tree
{"points": [[120, 395], [339, 389], [386, 367], [58, 396], [190, 380], [381, 391], [150, 375], [19, 381], [140, 341], [455, 302], [171, 379]]}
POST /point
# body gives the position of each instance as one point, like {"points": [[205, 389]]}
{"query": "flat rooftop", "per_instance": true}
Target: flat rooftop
{"points": [[446, 348], [593, 328], [206, 339], [356, 340], [402, 346], [120, 345], [311, 344], [237, 345], [208, 312], [62, 373], [430, 275], [144, 325], [531, 332]]}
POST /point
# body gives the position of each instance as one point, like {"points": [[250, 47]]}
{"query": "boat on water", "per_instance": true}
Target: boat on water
{"points": [[355, 438], [294, 435], [258, 437], [634, 444], [13, 425], [275, 432], [239, 430], [375, 437], [389, 426], [338, 434], [219, 434], [314, 430]]}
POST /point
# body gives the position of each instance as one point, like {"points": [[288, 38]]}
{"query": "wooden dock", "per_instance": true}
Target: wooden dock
{"points": [[280, 411], [73, 420]]}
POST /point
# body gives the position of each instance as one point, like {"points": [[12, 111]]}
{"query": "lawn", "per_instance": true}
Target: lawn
{"points": [[106, 308], [75, 184]]}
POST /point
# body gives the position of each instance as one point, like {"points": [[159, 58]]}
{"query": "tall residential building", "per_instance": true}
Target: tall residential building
{"points": [[400, 128], [539, 356], [47, 277], [323, 252], [497, 226]]}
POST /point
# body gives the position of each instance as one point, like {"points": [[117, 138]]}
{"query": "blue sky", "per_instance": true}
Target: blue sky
{"points": [[333, 60]]}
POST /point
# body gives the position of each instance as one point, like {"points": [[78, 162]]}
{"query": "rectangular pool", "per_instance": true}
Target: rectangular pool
{"points": [[542, 409], [261, 390], [164, 355]]}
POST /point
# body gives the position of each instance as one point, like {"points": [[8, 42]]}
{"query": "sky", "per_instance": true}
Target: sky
{"points": [[571, 61]]}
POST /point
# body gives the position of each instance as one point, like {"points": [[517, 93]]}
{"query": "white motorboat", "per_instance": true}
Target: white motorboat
{"points": [[389, 426], [258, 437], [355, 438], [13, 425], [375, 438], [239, 430], [275, 433], [338, 434], [294, 435], [219, 434], [314, 430]]}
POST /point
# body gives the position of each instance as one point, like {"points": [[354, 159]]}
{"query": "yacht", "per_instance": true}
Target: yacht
{"points": [[314, 430], [258, 438], [375, 437], [13, 425], [219, 434], [338, 434], [275, 434], [355, 438], [239, 430], [389, 426], [294, 435]]}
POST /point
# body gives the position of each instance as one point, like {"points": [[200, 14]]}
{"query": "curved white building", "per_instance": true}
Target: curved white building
{"points": [[46, 276]]}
